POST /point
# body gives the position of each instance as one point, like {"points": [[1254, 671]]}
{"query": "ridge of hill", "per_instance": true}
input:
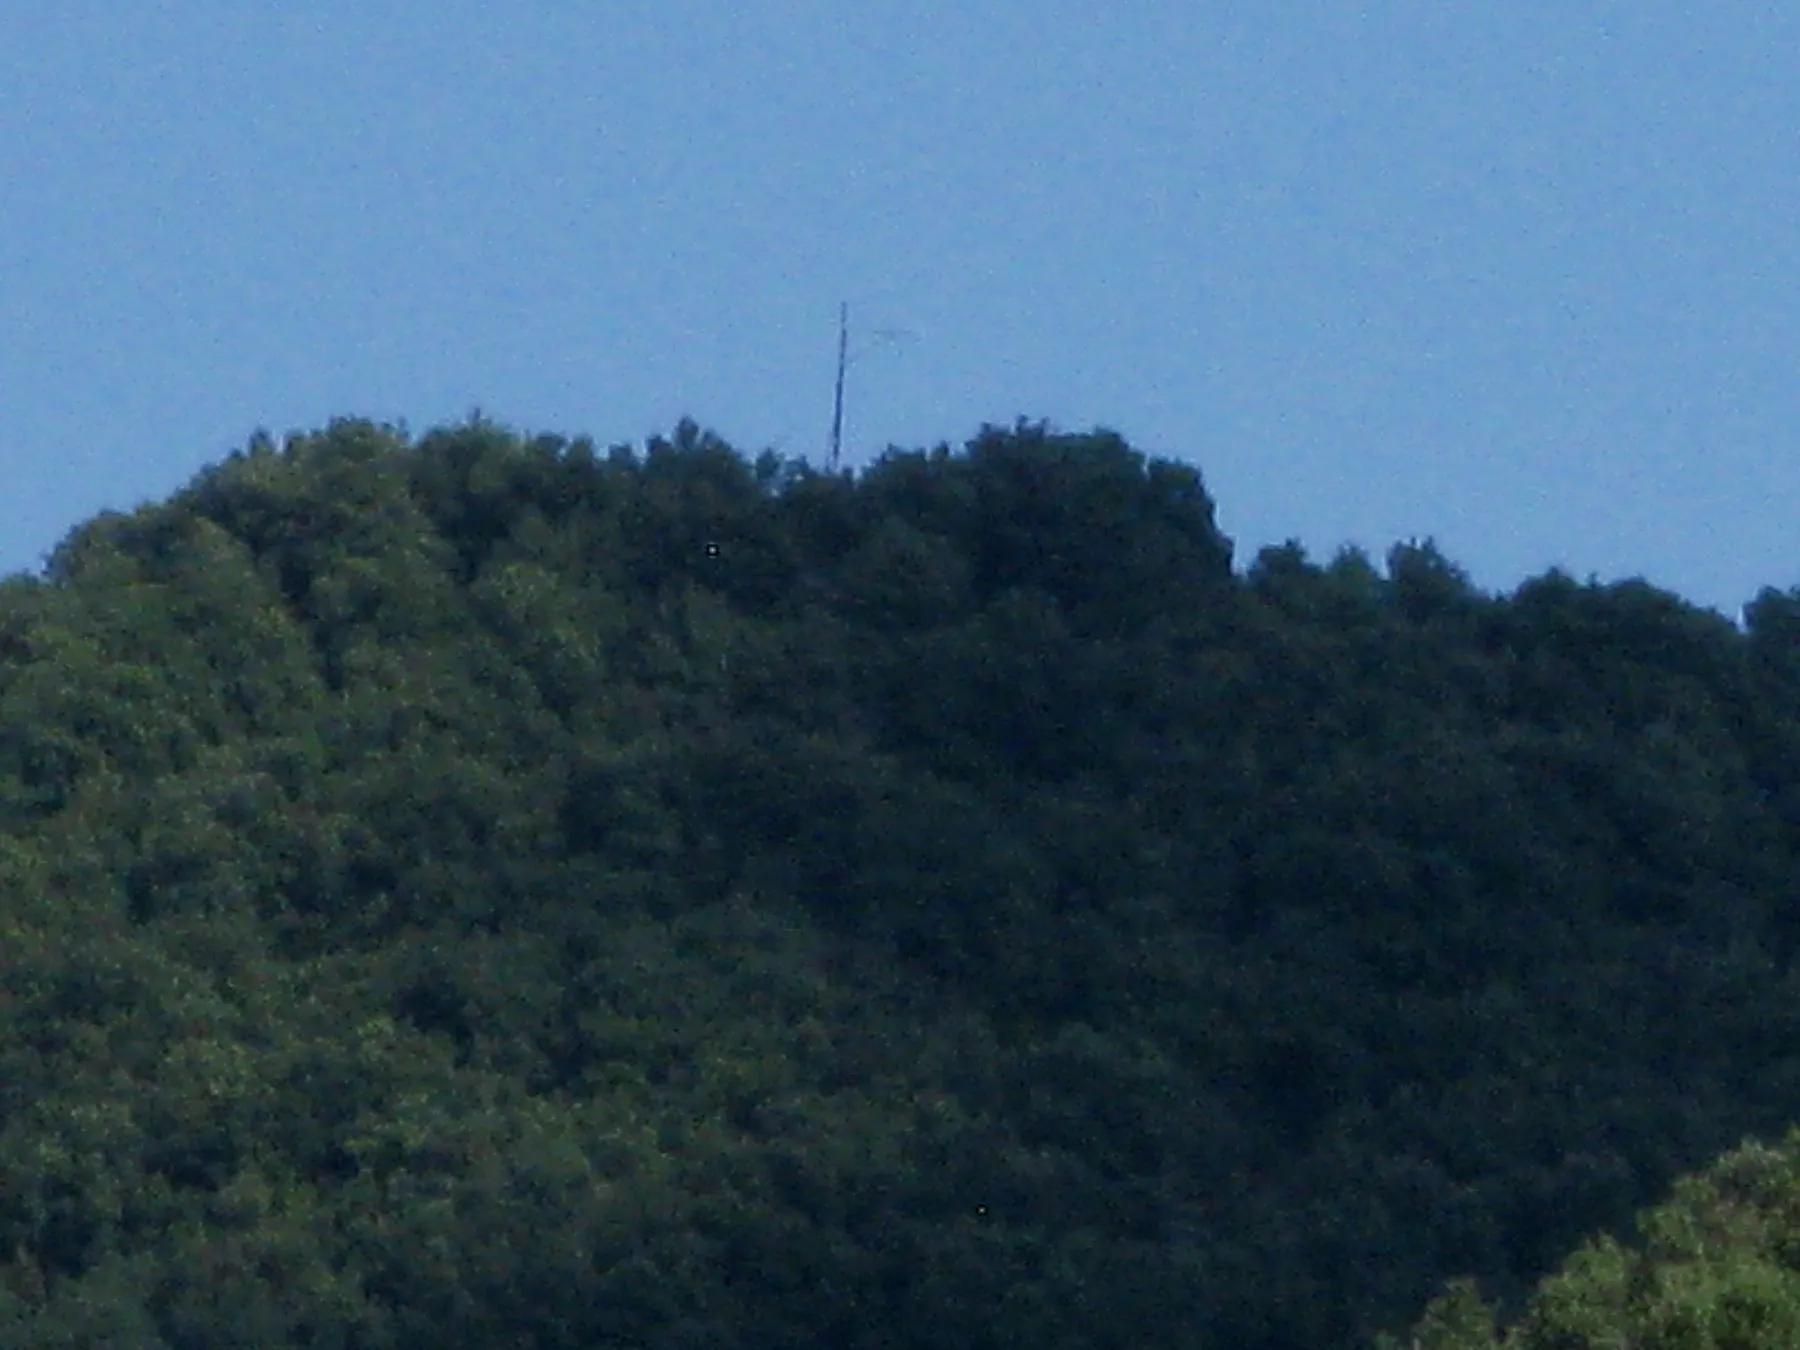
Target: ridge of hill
{"points": [[488, 890]]}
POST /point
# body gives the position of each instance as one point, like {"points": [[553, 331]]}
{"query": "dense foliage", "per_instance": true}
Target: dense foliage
{"points": [[480, 892], [1717, 1267]]}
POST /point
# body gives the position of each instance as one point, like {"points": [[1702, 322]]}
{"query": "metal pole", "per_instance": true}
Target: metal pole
{"points": [[837, 407]]}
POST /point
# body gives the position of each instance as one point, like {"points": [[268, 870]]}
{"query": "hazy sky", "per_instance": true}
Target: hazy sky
{"points": [[1520, 276]]}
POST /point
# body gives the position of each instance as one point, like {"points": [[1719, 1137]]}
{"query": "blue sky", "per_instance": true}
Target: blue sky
{"points": [[1522, 277]]}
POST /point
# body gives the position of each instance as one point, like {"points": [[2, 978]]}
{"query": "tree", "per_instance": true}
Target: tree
{"points": [[1717, 1268]]}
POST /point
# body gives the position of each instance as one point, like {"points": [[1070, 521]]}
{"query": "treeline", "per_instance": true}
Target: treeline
{"points": [[480, 891]]}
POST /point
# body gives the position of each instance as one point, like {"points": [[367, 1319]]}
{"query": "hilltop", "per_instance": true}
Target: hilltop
{"points": [[484, 890]]}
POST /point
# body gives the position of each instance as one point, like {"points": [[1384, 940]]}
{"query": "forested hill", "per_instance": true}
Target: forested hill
{"points": [[475, 892]]}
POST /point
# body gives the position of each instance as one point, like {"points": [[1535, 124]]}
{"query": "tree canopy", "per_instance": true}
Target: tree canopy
{"points": [[492, 890]]}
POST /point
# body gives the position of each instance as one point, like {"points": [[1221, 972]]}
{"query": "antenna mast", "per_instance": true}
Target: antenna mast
{"points": [[882, 335], [837, 407]]}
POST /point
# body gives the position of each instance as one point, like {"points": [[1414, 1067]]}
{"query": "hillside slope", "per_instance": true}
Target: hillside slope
{"points": [[485, 892]]}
